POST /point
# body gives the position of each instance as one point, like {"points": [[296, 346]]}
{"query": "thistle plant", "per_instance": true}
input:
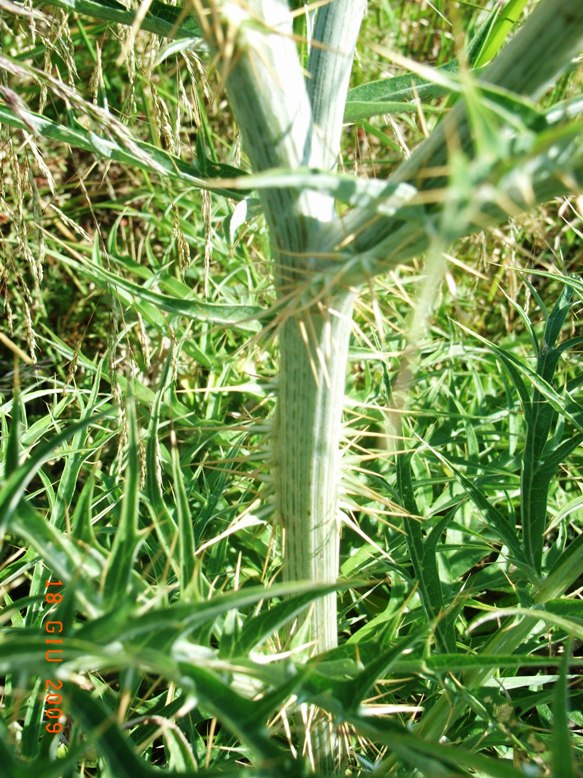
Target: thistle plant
{"points": [[137, 487], [514, 158]]}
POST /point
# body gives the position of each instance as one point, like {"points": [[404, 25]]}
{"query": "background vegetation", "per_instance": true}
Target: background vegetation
{"points": [[139, 370]]}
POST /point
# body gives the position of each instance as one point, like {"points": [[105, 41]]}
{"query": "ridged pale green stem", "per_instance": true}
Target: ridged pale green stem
{"points": [[268, 95], [288, 121], [314, 352], [330, 64]]}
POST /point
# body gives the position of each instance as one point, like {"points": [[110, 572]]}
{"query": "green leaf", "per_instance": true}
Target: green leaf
{"points": [[428, 755], [75, 459], [402, 93], [562, 755], [572, 628], [501, 25], [384, 197], [14, 436], [75, 564], [160, 18], [357, 110], [161, 628], [9, 762], [186, 544], [101, 728], [127, 541], [557, 317], [562, 404], [82, 527], [386, 95], [564, 573], [139, 154], [423, 557], [232, 710], [439, 664], [259, 627], [392, 95], [162, 519], [244, 316], [14, 488], [491, 514], [354, 691]]}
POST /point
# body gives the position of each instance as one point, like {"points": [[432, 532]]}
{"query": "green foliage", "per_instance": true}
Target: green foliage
{"points": [[135, 466]]}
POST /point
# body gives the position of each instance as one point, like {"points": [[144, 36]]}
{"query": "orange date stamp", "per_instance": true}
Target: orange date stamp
{"points": [[54, 653]]}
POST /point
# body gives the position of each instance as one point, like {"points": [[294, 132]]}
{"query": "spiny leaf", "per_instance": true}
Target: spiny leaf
{"points": [[186, 544], [143, 155], [492, 515], [244, 316], [423, 557], [101, 728], [77, 566], [414, 750], [233, 711], [563, 405], [162, 627], [259, 627], [74, 460], [163, 521]]}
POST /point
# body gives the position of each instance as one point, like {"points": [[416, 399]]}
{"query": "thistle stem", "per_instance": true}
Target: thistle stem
{"points": [[314, 354]]}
